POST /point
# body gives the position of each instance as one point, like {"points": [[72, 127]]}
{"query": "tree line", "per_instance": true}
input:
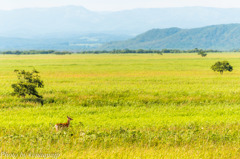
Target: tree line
{"points": [[32, 52], [120, 51], [148, 51]]}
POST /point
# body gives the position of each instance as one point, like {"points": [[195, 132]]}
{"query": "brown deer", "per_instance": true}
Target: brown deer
{"points": [[63, 125]]}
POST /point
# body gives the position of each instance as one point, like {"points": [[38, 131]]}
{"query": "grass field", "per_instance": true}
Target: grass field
{"points": [[123, 106]]}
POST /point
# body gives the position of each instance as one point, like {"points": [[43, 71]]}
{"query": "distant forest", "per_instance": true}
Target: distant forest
{"points": [[32, 52]]}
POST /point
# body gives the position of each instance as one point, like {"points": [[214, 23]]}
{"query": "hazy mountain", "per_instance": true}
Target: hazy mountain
{"points": [[59, 42], [74, 27], [78, 20], [221, 37]]}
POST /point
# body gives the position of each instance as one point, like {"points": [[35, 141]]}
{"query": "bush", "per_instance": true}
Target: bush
{"points": [[27, 83], [202, 53], [222, 66]]}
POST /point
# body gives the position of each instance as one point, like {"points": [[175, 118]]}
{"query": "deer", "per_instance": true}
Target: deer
{"points": [[63, 125]]}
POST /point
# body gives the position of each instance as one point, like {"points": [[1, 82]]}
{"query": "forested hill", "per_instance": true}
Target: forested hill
{"points": [[220, 37]]}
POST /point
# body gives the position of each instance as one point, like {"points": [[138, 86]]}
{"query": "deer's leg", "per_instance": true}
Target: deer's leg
{"points": [[56, 127]]}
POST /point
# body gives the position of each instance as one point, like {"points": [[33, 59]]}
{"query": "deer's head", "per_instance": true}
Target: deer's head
{"points": [[69, 118]]}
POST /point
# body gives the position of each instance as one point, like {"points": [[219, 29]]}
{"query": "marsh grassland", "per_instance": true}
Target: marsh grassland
{"points": [[123, 106]]}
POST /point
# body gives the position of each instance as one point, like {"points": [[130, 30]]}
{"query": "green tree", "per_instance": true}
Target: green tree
{"points": [[222, 66], [27, 83], [202, 53]]}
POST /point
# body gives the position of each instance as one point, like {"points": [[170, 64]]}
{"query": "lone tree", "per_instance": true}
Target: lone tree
{"points": [[222, 66], [27, 83], [202, 53]]}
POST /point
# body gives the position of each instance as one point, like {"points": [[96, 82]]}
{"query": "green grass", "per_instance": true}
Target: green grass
{"points": [[123, 106]]}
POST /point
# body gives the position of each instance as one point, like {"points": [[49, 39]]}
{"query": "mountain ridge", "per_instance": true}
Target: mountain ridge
{"points": [[31, 22], [69, 25], [221, 37]]}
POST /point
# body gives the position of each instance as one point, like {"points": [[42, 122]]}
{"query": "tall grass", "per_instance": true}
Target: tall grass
{"points": [[123, 106]]}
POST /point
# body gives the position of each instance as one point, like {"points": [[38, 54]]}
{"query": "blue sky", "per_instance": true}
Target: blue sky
{"points": [[113, 5]]}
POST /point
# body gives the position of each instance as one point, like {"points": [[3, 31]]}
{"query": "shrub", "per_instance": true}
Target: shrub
{"points": [[222, 66], [202, 53], [27, 83]]}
